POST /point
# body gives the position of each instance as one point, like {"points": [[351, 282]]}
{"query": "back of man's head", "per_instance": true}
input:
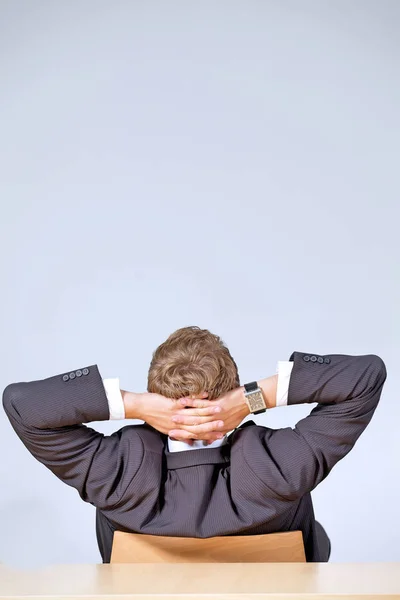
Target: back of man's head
{"points": [[192, 361]]}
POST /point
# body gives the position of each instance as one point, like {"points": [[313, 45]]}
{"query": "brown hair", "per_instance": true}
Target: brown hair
{"points": [[192, 361]]}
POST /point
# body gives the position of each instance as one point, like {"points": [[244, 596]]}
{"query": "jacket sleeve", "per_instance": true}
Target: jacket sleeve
{"points": [[347, 390], [48, 417]]}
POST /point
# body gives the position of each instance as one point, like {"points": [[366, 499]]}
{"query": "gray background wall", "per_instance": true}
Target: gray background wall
{"points": [[229, 164]]}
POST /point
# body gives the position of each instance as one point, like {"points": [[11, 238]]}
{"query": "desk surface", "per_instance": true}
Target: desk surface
{"points": [[213, 581]]}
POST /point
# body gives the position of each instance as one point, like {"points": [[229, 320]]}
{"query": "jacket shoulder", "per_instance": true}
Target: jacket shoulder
{"points": [[151, 438], [247, 431]]}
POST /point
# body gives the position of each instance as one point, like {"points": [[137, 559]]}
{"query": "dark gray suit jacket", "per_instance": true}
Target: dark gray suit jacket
{"points": [[259, 482]]}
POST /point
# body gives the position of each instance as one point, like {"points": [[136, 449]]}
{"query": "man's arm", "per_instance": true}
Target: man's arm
{"points": [[48, 416], [347, 390], [158, 411], [232, 406]]}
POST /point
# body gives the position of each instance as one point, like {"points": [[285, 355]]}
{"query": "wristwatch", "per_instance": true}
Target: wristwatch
{"points": [[254, 398]]}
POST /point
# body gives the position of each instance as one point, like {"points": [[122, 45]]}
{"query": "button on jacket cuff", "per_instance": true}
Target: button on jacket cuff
{"points": [[114, 397]]}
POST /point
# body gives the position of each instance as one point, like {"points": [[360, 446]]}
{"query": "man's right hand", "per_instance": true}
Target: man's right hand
{"points": [[158, 411], [233, 408]]}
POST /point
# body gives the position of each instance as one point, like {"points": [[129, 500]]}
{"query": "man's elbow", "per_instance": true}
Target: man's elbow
{"points": [[378, 369], [11, 397]]}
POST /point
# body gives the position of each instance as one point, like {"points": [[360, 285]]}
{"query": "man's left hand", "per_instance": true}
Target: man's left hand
{"points": [[158, 411], [233, 409]]}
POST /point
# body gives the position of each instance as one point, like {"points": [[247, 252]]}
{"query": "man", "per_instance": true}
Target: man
{"points": [[255, 480]]}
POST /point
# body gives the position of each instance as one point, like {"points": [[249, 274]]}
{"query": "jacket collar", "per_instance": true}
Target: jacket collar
{"points": [[202, 456]]}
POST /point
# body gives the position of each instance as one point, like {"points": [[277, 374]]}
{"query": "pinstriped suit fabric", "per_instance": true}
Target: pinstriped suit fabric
{"points": [[260, 482]]}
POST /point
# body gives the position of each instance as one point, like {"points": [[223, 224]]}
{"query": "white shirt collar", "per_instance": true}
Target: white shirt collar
{"points": [[178, 446]]}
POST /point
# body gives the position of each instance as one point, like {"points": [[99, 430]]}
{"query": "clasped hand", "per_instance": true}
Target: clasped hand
{"points": [[194, 418]]}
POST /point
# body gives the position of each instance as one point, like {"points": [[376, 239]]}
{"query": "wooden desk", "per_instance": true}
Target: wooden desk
{"points": [[311, 581]]}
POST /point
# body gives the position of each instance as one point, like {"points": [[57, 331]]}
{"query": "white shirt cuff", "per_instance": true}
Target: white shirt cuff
{"points": [[284, 369], [114, 397]]}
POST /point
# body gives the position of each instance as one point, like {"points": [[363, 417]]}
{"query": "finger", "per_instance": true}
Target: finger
{"points": [[199, 396], [199, 430], [198, 412], [203, 398], [181, 435], [210, 409], [192, 420], [185, 436], [195, 402]]}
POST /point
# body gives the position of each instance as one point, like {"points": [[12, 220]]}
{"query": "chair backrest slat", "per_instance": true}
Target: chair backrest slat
{"points": [[273, 547]]}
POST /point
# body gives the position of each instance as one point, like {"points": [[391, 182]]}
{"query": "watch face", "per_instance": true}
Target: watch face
{"points": [[256, 401]]}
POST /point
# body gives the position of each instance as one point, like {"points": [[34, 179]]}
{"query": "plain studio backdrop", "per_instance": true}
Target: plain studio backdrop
{"points": [[229, 164]]}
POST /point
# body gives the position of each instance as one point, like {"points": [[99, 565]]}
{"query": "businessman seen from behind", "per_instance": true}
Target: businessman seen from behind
{"points": [[191, 469]]}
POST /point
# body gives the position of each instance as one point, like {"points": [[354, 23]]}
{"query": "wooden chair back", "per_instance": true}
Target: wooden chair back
{"points": [[272, 547]]}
